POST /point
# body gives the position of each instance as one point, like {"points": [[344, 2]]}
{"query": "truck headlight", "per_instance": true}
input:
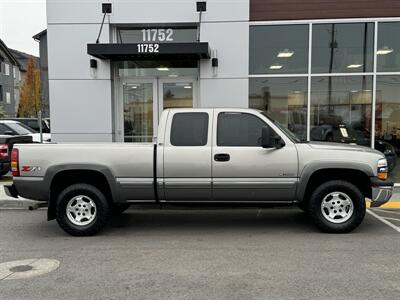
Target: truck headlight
{"points": [[382, 169]]}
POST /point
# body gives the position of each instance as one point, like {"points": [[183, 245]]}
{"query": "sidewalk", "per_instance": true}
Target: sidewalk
{"points": [[10, 202]]}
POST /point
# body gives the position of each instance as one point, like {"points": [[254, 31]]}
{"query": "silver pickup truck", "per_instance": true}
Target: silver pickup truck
{"points": [[203, 157]]}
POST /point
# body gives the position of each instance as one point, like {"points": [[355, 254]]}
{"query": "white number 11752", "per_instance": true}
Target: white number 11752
{"points": [[148, 48], [157, 35]]}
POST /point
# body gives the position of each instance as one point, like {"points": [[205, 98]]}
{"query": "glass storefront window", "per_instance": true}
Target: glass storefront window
{"points": [[278, 49], [177, 94], [341, 109], [388, 49], [342, 48], [138, 112], [387, 121], [285, 100]]}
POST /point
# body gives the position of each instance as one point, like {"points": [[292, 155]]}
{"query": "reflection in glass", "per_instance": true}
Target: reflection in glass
{"points": [[138, 112], [278, 49], [388, 52], [285, 100], [387, 121], [341, 109], [342, 48], [178, 95]]}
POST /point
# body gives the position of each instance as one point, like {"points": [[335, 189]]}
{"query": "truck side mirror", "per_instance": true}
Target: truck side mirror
{"points": [[270, 140], [266, 141]]}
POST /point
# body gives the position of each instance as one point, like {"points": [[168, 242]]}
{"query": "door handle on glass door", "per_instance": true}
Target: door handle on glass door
{"points": [[222, 157]]}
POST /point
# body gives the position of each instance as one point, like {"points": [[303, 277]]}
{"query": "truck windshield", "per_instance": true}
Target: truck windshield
{"points": [[290, 134]]}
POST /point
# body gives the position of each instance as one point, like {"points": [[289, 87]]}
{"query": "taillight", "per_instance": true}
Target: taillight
{"points": [[14, 162], [3, 150]]}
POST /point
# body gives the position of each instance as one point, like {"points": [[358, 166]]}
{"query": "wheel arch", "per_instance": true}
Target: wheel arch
{"points": [[357, 175], [60, 176]]}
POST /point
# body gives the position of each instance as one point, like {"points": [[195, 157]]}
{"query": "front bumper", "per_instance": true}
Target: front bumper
{"points": [[381, 191]]}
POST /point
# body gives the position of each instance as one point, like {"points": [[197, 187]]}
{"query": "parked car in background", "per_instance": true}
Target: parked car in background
{"points": [[33, 123], [13, 128], [354, 133], [6, 145]]}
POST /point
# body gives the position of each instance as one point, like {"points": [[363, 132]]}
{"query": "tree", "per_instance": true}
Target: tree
{"points": [[30, 93], [2, 112]]}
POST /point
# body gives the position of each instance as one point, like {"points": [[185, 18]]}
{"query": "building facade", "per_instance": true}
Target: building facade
{"points": [[41, 38], [327, 70], [10, 78]]}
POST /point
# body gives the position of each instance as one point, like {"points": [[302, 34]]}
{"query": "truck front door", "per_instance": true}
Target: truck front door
{"points": [[243, 171]]}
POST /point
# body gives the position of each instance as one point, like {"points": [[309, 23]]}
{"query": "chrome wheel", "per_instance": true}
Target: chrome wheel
{"points": [[337, 207], [81, 210]]}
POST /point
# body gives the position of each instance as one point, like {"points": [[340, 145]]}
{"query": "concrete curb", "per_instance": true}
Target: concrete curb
{"points": [[7, 202], [16, 203]]}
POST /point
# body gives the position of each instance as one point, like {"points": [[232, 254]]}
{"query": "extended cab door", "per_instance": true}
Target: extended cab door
{"points": [[187, 155], [242, 169]]}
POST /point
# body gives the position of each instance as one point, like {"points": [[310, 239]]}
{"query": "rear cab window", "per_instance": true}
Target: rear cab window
{"points": [[189, 129]]}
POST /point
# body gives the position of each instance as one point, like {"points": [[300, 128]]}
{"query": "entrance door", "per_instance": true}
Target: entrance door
{"points": [[142, 101]]}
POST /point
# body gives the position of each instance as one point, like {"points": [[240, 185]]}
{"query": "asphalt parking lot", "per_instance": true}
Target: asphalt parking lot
{"points": [[204, 254]]}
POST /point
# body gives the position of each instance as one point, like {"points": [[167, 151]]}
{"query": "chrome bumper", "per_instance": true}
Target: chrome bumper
{"points": [[381, 192]]}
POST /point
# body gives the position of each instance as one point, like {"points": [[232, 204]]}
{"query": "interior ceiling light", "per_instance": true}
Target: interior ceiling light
{"points": [[354, 66], [285, 53], [163, 69], [275, 67], [172, 75], [384, 50], [187, 87]]}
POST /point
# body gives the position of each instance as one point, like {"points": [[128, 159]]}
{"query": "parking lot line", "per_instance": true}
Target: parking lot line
{"points": [[392, 219], [387, 211], [383, 220], [390, 204]]}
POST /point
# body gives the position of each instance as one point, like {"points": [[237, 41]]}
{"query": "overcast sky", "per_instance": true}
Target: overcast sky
{"points": [[19, 21]]}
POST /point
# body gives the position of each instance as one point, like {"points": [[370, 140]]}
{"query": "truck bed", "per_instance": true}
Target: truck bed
{"points": [[124, 160]]}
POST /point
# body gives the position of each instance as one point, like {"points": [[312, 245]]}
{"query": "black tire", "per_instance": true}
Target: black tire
{"points": [[118, 209], [102, 210], [349, 189], [303, 206], [2, 173]]}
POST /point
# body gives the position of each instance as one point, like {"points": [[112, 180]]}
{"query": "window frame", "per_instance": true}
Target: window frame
{"points": [[6, 69], [8, 98]]}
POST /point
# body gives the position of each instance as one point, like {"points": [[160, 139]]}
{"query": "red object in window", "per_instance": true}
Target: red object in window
{"points": [[14, 162], [3, 150]]}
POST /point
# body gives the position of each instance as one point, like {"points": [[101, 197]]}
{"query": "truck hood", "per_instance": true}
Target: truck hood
{"points": [[342, 146]]}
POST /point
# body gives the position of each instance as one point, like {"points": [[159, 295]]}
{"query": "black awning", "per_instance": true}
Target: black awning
{"points": [[150, 51]]}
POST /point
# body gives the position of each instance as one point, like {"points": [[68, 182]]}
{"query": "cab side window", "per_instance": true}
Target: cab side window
{"points": [[189, 129], [239, 130]]}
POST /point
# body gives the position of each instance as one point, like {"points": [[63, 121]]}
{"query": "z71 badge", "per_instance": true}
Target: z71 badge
{"points": [[30, 169]]}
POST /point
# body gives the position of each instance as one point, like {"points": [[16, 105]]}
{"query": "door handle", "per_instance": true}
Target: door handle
{"points": [[222, 157]]}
